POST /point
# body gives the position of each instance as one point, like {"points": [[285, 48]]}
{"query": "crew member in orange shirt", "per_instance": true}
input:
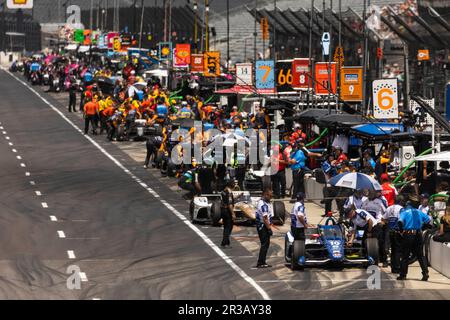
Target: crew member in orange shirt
{"points": [[90, 113]]}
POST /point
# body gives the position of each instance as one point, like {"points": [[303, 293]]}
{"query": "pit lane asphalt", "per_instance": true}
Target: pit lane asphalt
{"points": [[127, 243]]}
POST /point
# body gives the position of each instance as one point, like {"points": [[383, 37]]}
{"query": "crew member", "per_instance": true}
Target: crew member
{"points": [[264, 216], [299, 221], [90, 113], [361, 220], [188, 182], [388, 191], [410, 225], [227, 212], [390, 218]]}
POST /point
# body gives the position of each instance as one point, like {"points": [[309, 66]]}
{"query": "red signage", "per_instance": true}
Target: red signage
{"points": [[110, 39], [182, 55], [300, 71], [322, 78], [197, 63]]}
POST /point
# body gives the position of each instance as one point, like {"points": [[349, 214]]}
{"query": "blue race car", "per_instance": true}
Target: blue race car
{"points": [[326, 245]]}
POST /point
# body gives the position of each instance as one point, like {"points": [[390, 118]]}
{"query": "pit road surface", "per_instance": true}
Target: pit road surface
{"points": [[70, 200]]}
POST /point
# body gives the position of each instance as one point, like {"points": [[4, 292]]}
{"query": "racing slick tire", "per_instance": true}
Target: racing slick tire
{"points": [[171, 169], [216, 213], [298, 250], [191, 211], [279, 213], [287, 252], [372, 249]]}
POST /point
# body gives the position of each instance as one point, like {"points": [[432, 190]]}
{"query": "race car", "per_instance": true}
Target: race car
{"points": [[326, 245], [206, 208]]}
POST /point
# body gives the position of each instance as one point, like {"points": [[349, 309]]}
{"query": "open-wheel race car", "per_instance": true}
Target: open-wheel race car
{"points": [[206, 208], [326, 245]]}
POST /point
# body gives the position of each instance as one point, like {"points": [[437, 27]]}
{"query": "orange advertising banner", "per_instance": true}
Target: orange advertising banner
{"points": [[321, 77], [197, 62]]}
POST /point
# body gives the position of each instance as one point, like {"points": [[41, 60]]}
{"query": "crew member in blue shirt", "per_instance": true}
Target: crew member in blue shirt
{"points": [[410, 224], [298, 166]]}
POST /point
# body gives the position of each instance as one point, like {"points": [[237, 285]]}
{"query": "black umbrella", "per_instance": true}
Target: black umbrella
{"points": [[105, 84], [310, 115], [344, 120]]}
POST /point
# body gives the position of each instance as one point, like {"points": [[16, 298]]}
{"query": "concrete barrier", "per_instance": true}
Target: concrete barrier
{"points": [[440, 257]]}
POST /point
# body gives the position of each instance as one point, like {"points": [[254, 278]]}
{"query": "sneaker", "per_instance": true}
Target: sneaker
{"points": [[145, 167], [425, 277], [263, 266]]}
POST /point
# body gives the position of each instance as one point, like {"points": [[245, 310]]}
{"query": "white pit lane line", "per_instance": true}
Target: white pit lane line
{"points": [[71, 254], [194, 228], [53, 218]]}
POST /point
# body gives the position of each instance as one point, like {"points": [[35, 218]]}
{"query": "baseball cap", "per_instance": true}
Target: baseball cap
{"points": [[425, 196], [384, 177]]}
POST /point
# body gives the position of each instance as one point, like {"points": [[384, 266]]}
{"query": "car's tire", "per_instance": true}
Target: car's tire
{"points": [[372, 249], [427, 237], [279, 213], [287, 255], [216, 213], [191, 211], [298, 250], [171, 169]]}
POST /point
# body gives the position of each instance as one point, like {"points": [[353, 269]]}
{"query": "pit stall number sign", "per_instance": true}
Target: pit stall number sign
{"points": [[284, 77], [244, 74], [265, 76], [322, 78], [300, 73], [385, 99], [351, 84], [212, 64]]}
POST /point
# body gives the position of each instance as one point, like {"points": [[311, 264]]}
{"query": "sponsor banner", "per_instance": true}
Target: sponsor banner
{"points": [[78, 36], [182, 56], [351, 83], [265, 75], [423, 55], [385, 99], [165, 51], [197, 62], [244, 74], [212, 64], [110, 39], [321, 77], [300, 71], [19, 4], [87, 37]]}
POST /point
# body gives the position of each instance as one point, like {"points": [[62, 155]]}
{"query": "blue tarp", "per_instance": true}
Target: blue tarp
{"points": [[378, 128]]}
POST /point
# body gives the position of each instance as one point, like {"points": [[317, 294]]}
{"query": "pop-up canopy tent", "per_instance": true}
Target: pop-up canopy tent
{"points": [[440, 156]]}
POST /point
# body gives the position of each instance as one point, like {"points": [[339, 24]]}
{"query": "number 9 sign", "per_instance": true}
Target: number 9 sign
{"points": [[385, 99]]}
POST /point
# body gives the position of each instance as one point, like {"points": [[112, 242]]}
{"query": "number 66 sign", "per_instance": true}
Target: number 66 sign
{"points": [[385, 99]]}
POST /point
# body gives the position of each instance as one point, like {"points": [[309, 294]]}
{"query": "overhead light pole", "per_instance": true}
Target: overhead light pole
{"points": [[196, 26], [207, 25], [142, 24], [255, 33]]}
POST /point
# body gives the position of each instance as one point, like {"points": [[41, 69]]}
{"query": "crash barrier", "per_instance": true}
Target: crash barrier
{"points": [[439, 257]]}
